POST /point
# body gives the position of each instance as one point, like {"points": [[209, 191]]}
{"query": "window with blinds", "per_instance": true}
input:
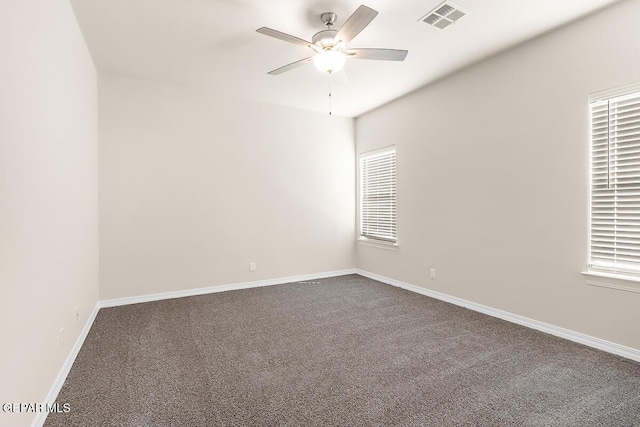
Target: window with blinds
{"points": [[615, 183], [378, 195]]}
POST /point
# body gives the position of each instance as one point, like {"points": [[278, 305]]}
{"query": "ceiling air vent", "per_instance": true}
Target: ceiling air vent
{"points": [[444, 15]]}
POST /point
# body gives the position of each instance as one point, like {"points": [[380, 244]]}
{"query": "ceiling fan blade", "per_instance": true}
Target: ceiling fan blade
{"points": [[286, 37], [378, 54], [356, 23], [291, 66]]}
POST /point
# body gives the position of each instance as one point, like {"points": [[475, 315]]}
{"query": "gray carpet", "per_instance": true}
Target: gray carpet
{"points": [[345, 351]]}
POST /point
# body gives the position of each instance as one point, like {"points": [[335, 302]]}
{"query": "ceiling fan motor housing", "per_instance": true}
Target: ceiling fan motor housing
{"points": [[324, 38]]}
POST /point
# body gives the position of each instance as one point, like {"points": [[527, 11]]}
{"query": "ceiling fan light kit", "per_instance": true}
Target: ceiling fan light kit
{"points": [[329, 61], [330, 46]]}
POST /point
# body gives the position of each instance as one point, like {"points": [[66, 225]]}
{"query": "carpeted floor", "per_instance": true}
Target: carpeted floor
{"points": [[345, 351]]}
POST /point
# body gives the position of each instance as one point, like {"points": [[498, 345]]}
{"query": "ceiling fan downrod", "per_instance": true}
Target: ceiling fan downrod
{"points": [[326, 38]]}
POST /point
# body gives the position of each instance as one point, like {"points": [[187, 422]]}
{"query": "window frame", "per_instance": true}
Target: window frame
{"points": [[369, 240], [612, 278]]}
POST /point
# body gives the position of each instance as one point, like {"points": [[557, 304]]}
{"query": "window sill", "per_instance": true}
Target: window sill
{"points": [[612, 281], [377, 244]]}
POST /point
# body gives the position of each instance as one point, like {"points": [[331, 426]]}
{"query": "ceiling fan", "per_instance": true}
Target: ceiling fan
{"points": [[330, 46]]}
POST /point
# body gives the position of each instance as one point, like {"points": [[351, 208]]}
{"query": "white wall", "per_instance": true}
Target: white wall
{"points": [[193, 187], [493, 178], [48, 195]]}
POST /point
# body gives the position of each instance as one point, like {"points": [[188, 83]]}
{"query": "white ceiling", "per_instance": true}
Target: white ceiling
{"points": [[212, 44]]}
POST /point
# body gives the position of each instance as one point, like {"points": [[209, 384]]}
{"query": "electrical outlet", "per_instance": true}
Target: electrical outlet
{"points": [[61, 338], [432, 273], [252, 266]]}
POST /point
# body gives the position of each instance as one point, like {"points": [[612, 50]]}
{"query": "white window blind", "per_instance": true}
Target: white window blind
{"points": [[615, 184], [378, 195]]}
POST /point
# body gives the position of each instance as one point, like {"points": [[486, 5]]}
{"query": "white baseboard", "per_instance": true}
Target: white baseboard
{"points": [[600, 344], [41, 417], [221, 288]]}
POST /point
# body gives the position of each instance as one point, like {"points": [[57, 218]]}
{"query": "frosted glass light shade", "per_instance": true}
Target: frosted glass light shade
{"points": [[329, 61]]}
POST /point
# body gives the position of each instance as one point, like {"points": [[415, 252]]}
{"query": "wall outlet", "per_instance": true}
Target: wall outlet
{"points": [[252, 266], [61, 338], [432, 273]]}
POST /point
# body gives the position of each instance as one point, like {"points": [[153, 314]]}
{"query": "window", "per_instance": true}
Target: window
{"points": [[615, 182], [378, 195]]}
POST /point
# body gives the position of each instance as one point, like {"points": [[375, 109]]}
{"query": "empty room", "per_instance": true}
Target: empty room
{"points": [[396, 213]]}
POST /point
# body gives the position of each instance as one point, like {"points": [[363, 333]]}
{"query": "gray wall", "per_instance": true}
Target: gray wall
{"points": [[194, 186], [48, 195]]}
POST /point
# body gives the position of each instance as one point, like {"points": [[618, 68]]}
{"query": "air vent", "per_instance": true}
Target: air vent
{"points": [[444, 15]]}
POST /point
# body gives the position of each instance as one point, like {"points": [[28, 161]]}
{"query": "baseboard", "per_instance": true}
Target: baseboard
{"points": [[600, 344], [41, 417], [221, 288]]}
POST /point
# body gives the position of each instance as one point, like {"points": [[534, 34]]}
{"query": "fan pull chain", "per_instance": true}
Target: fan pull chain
{"points": [[329, 93]]}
